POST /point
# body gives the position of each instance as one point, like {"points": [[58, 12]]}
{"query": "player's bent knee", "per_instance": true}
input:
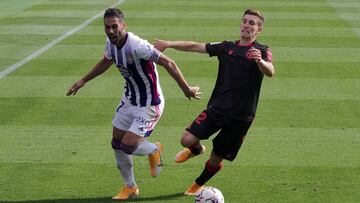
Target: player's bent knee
{"points": [[115, 144], [184, 142], [127, 149], [188, 139]]}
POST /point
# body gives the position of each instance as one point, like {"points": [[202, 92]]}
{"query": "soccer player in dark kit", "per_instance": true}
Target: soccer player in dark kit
{"points": [[232, 106]]}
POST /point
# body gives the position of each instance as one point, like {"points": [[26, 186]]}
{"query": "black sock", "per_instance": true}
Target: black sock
{"points": [[196, 148], [208, 173]]}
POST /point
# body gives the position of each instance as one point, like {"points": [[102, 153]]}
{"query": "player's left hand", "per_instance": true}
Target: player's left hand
{"points": [[193, 93]]}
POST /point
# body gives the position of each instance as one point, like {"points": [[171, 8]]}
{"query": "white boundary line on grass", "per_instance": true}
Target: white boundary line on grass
{"points": [[35, 54]]}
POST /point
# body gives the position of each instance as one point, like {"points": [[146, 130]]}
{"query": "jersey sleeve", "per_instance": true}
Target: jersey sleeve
{"points": [[107, 53], [267, 56], [213, 48], [144, 50]]}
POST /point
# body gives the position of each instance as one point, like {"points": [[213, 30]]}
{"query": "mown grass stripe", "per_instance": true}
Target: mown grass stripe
{"points": [[272, 41], [81, 2], [105, 87], [283, 54], [183, 30], [337, 70], [344, 4], [98, 40], [231, 3], [64, 6], [196, 14], [61, 13], [11, 40], [231, 8], [263, 183], [50, 139], [75, 68], [234, 15], [61, 21], [288, 112], [17, 52], [163, 23], [10, 7], [300, 31], [37, 29]]}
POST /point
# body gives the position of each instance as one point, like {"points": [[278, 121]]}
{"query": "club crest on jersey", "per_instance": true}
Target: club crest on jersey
{"points": [[129, 58], [123, 70]]}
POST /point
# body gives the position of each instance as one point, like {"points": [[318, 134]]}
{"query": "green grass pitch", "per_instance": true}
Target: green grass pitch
{"points": [[303, 147]]}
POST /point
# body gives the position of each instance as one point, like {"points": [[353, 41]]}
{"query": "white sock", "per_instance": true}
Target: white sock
{"points": [[124, 163], [145, 148]]}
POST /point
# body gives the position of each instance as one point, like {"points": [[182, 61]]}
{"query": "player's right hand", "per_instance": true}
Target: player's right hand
{"points": [[75, 87], [193, 93]]}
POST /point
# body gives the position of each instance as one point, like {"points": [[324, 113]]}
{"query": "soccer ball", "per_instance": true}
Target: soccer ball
{"points": [[209, 195]]}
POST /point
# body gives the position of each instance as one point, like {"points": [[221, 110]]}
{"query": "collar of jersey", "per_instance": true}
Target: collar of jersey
{"points": [[122, 44], [245, 45]]}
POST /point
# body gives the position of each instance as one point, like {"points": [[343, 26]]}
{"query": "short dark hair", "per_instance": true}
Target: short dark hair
{"points": [[114, 12], [255, 13]]}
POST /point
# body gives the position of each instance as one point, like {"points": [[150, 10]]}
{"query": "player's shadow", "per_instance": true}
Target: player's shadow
{"points": [[104, 199]]}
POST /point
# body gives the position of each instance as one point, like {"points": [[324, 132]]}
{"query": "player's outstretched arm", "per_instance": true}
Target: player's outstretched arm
{"points": [[191, 46], [98, 69], [174, 71]]}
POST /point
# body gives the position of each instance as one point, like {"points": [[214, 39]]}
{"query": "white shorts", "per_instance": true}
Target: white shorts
{"points": [[138, 120]]}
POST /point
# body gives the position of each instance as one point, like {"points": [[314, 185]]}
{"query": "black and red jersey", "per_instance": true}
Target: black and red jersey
{"points": [[238, 83]]}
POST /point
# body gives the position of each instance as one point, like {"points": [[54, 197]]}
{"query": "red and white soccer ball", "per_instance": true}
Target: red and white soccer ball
{"points": [[209, 195]]}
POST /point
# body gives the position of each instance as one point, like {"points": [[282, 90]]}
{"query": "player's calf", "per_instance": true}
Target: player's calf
{"points": [[190, 152]]}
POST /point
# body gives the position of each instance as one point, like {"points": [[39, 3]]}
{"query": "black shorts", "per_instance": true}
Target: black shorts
{"points": [[228, 141]]}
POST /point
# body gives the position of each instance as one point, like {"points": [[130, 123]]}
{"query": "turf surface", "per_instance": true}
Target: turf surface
{"points": [[303, 147]]}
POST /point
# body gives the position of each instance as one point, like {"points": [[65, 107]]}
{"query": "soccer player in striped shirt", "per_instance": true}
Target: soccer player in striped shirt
{"points": [[142, 103]]}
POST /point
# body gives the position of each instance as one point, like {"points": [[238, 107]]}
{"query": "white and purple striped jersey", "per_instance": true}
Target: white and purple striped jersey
{"points": [[136, 62]]}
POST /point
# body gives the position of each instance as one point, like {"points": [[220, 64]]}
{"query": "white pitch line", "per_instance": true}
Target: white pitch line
{"points": [[35, 54]]}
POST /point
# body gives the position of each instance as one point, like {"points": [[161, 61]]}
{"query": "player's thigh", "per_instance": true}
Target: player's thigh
{"points": [[132, 139], [123, 117], [145, 119], [204, 125], [229, 140], [118, 134]]}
